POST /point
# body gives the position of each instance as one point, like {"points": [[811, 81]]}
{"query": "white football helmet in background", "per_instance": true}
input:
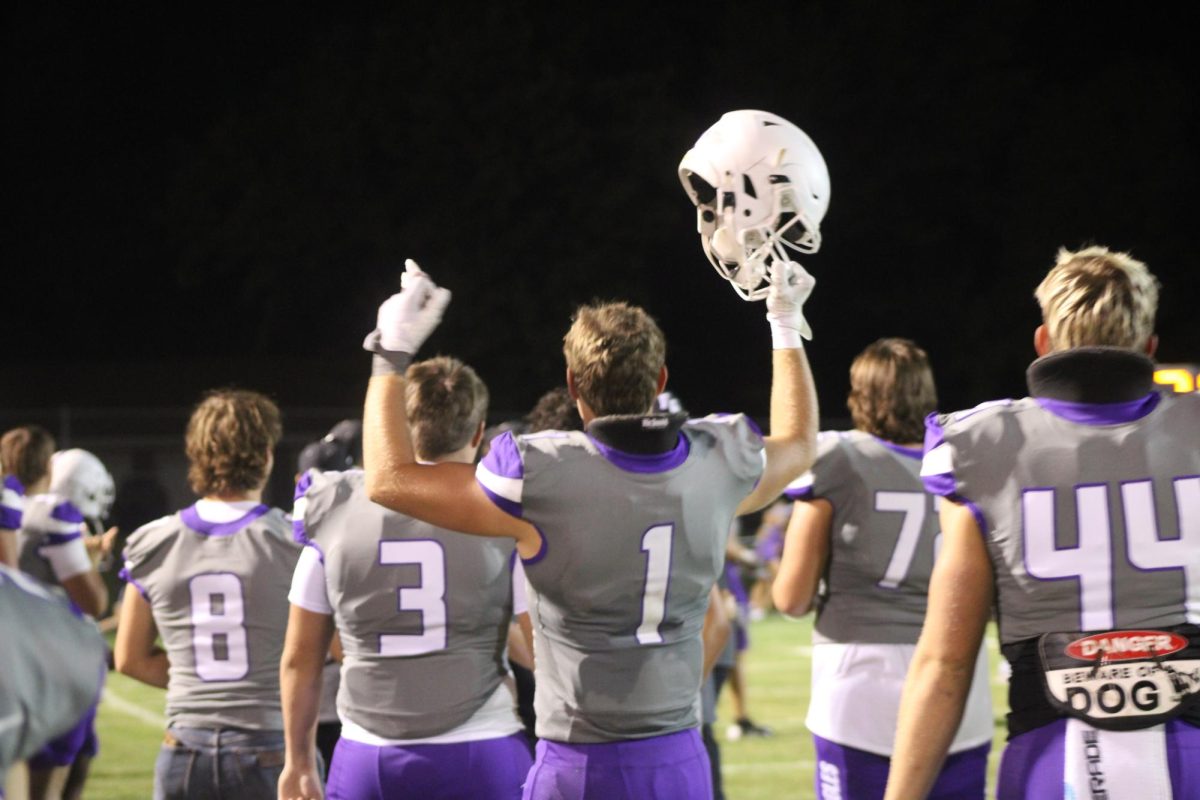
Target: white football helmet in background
{"points": [[80, 477], [761, 188]]}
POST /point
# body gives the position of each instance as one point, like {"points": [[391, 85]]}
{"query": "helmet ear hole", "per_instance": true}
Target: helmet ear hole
{"points": [[748, 187], [705, 192]]}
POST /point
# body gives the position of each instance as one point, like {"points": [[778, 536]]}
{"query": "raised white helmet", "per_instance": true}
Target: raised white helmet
{"points": [[761, 188], [83, 479]]}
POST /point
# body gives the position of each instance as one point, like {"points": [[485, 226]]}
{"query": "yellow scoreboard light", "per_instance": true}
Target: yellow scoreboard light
{"points": [[1178, 378]]}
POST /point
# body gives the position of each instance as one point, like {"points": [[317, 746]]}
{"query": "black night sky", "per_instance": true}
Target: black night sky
{"points": [[203, 197]]}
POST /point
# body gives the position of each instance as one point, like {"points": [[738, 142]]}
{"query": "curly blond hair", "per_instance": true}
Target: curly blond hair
{"points": [[229, 442]]}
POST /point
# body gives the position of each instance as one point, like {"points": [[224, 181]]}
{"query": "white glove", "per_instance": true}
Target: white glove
{"points": [[407, 319], [790, 287]]}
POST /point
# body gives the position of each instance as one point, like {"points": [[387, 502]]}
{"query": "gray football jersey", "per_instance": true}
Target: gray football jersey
{"points": [[881, 539], [1091, 512], [52, 665], [219, 597], [423, 613], [632, 544], [48, 521]]}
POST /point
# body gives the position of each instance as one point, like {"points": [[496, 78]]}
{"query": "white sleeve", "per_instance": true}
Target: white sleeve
{"points": [[520, 593], [68, 559], [308, 583]]}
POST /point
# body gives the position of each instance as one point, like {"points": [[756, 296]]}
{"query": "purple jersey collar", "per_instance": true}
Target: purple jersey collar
{"points": [[645, 444], [909, 452], [192, 519], [1094, 385]]}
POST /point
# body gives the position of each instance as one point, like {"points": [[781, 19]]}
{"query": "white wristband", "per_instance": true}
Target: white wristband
{"points": [[786, 337]]}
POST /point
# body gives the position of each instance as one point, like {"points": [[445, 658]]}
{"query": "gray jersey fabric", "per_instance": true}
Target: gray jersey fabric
{"points": [[48, 521], [1091, 511], [219, 597], [881, 539], [52, 665], [423, 613], [629, 541]]}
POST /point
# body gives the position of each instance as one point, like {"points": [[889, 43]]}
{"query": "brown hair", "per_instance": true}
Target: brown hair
{"points": [[615, 351], [1095, 297], [554, 411], [229, 441], [445, 400], [25, 453], [892, 391]]}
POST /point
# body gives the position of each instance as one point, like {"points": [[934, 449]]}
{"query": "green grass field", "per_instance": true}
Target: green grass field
{"points": [[131, 725]]}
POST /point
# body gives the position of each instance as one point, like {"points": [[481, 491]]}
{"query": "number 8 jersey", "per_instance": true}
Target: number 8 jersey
{"points": [[634, 517], [216, 576]]}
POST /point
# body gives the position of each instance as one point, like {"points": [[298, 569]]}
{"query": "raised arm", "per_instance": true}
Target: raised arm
{"points": [[446, 495], [939, 678], [792, 443]]}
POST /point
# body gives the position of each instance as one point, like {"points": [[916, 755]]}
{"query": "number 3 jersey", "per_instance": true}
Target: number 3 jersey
{"points": [[216, 576], [881, 539], [423, 613], [634, 516]]}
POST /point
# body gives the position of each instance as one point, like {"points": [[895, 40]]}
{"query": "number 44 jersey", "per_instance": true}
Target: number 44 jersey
{"points": [[218, 592]]}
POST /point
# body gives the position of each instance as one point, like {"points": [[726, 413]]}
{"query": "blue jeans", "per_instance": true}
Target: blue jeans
{"points": [[218, 764]]}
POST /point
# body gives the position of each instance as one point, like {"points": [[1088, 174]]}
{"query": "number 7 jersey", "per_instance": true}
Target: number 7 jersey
{"points": [[631, 545]]}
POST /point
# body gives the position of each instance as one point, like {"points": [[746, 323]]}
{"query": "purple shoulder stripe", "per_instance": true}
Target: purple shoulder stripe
{"points": [[10, 518], [503, 458], [14, 483], [935, 434], [505, 505], [805, 493], [66, 512], [541, 553], [303, 485], [125, 576], [55, 539]]}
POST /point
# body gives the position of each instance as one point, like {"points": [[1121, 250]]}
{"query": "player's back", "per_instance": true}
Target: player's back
{"points": [[48, 541], [882, 538], [1091, 514], [218, 593], [422, 613], [633, 542]]}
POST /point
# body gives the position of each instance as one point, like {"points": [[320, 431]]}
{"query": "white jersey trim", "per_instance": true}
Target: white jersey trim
{"points": [[67, 559], [855, 698], [508, 488], [938, 461], [222, 511], [495, 719], [308, 584]]}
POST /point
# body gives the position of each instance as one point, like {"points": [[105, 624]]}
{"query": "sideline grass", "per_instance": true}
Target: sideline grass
{"points": [[130, 725]]}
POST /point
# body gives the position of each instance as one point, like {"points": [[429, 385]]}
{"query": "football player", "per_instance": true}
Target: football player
{"points": [[426, 702], [622, 529], [1077, 510], [859, 548], [53, 546], [212, 580], [50, 674], [25, 464]]}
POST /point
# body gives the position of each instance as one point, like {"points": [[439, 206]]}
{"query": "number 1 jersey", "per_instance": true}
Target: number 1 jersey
{"points": [[632, 542]]}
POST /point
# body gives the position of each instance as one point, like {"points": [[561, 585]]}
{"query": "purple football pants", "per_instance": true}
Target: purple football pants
{"points": [[1032, 765], [61, 751], [671, 767], [846, 773], [487, 769]]}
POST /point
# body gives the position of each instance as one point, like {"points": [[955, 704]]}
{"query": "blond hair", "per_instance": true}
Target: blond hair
{"points": [[229, 441], [892, 390], [1095, 297], [615, 351], [445, 400]]}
